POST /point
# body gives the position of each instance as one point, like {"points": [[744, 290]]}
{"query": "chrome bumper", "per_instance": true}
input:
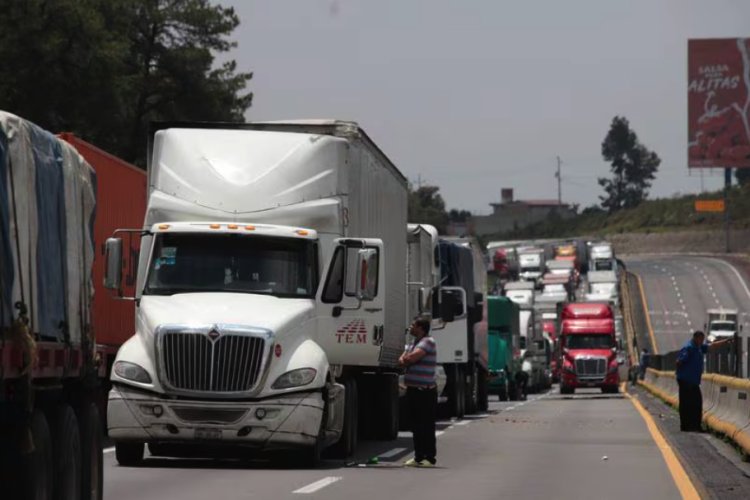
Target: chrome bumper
{"points": [[288, 421]]}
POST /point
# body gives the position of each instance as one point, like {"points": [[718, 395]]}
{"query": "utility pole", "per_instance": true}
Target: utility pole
{"points": [[559, 182], [727, 187]]}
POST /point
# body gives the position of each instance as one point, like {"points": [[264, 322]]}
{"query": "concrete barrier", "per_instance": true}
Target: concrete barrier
{"points": [[726, 402], [710, 393]]}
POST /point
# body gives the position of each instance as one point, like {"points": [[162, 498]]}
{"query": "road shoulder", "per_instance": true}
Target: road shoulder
{"points": [[711, 469]]}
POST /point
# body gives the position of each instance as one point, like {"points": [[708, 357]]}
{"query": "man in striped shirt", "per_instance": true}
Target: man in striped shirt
{"points": [[421, 392]]}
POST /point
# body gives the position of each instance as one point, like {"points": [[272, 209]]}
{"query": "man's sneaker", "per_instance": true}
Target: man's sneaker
{"points": [[412, 462], [425, 464]]}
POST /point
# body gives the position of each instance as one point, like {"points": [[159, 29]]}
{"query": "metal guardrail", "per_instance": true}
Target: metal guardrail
{"points": [[723, 358]]}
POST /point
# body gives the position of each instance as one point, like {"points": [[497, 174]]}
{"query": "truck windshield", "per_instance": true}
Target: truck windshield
{"points": [[723, 325], [191, 262], [589, 341]]}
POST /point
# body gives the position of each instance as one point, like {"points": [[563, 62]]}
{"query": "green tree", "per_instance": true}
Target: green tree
{"points": [[105, 68], [742, 175], [633, 167], [455, 215], [426, 206]]}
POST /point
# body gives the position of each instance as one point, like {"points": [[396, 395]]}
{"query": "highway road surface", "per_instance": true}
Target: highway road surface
{"points": [[679, 290], [551, 446]]}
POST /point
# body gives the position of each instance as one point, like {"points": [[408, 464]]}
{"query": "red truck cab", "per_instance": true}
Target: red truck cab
{"points": [[588, 348]]}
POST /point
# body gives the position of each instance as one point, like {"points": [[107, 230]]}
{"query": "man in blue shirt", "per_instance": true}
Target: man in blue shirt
{"points": [[689, 371]]}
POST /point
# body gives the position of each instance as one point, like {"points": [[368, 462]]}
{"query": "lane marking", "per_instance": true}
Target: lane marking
{"points": [[736, 273], [318, 485], [679, 476], [392, 453], [654, 346], [111, 449]]}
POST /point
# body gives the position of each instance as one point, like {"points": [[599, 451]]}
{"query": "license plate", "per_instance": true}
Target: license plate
{"points": [[212, 434]]}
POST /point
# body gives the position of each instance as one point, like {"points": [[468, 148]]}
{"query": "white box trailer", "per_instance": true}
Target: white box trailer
{"points": [[273, 250]]}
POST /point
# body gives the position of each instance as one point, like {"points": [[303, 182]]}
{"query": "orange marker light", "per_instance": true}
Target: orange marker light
{"points": [[250, 228], [302, 232], [163, 226], [232, 226], [214, 226]]}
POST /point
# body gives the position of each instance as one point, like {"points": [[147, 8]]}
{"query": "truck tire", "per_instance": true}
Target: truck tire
{"points": [[92, 436], [66, 446], [350, 433], [502, 392], [37, 467], [513, 392], [129, 453], [483, 383], [457, 399], [472, 390], [386, 426]]}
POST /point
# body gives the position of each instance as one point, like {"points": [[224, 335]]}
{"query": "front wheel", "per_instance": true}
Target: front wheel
{"points": [[36, 476], [92, 436], [67, 451], [347, 443], [483, 392]]}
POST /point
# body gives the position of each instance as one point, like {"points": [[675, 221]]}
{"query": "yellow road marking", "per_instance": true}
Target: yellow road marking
{"points": [[679, 476], [654, 347]]}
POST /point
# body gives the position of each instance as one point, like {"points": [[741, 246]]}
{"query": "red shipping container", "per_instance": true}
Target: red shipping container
{"points": [[120, 204]]}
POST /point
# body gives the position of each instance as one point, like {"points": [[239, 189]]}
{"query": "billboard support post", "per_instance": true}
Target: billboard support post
{"points": [[727, 185]]}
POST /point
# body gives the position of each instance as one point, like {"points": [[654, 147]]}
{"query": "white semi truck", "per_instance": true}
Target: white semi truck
{"points": [[271, 292], [531, 264], [722, 324]]}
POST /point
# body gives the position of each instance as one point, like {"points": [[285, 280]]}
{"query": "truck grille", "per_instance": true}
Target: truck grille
{"points": [[592, 368], [211, 362]]}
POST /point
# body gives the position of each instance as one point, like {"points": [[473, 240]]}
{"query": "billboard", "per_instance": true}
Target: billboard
{"points": [[719, 103]]}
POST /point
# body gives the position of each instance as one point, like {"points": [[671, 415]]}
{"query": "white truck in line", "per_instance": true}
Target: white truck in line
{"points": [[450, 273], [520, 292], [531, 264], [601, 257], [271, 292], [602, 286], [722, 324]]}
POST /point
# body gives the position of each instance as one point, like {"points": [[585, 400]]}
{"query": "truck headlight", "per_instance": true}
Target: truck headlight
{"points": [[131, 371], [295, 378]]}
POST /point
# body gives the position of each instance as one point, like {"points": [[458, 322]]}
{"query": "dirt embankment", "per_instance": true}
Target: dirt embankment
{"points": [[710, 241]]}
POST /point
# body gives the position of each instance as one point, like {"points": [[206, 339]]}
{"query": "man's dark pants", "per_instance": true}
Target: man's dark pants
{"points": [[423, 413], [691, 406]]}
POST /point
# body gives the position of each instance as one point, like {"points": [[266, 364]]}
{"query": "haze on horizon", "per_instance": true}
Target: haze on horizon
{"points": [[475, 96]]}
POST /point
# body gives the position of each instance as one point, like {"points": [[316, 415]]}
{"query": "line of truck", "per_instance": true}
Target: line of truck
{"points": [[250, 291], [554, 316]]}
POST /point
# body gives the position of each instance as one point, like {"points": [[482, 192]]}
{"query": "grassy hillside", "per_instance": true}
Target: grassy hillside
{"points": [[659, 215]]}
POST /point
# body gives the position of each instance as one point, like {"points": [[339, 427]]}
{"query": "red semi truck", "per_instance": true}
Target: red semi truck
{"points": [[588, 347], [60, 197]]}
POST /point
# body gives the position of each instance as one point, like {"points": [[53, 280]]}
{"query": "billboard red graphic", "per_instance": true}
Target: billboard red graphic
{"points": [[719, 103]]}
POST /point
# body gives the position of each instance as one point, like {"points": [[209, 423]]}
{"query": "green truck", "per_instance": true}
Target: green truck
{"points": [[504, 339]]}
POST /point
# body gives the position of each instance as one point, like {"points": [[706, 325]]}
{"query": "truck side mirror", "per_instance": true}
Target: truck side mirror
{"points": [[367, 274], [113, 259]]}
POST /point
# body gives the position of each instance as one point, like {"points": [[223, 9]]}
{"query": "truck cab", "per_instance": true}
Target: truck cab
{"points": [[588, 348], [722, 324], [271, 292], [504, 338], [530, 264]]}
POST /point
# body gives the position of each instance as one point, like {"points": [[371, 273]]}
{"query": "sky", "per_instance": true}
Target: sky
{"points": [[474, 96]]}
